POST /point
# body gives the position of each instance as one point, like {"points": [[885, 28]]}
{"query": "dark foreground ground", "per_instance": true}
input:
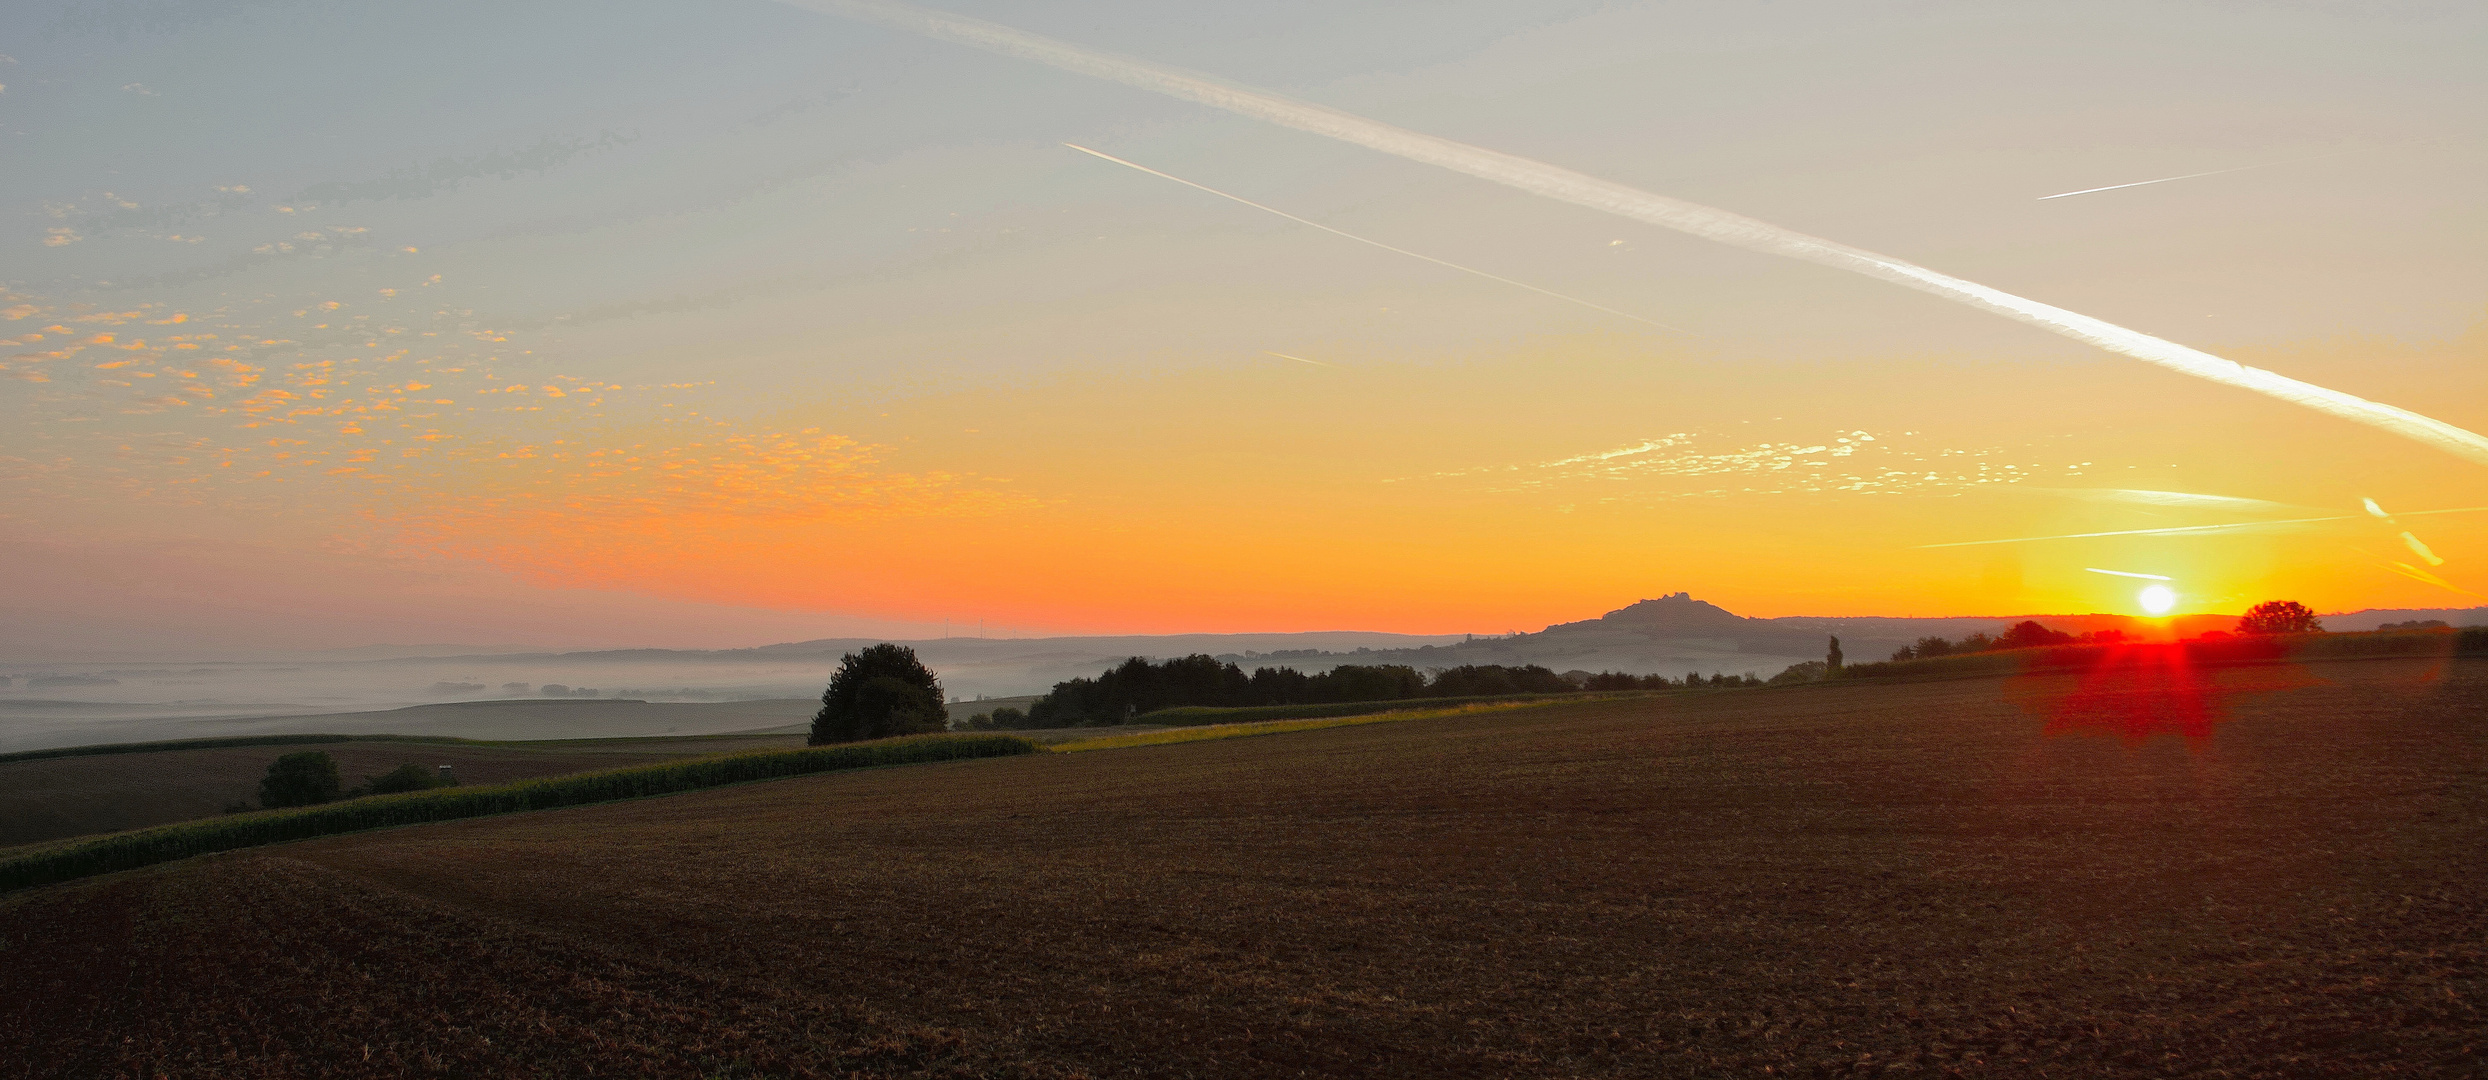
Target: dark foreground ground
{"points": [[1987, 878]]}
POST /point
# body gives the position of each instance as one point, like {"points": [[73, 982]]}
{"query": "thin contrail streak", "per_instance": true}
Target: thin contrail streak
{"points": [[2182, 529], [2162, 180], [2140, 532], [1709, 222], [2192, 175], [1375, 243], [2129, 573], [1298, 359]]}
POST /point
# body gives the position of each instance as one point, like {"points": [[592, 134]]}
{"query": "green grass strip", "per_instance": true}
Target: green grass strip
{"points": [[1274, 727], [144, 847]]}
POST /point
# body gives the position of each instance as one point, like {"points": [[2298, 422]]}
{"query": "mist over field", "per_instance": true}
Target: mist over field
{"points": [[538, 695]]}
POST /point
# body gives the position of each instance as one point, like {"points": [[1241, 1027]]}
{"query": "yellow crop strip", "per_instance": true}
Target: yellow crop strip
{"points": [[1274, 727]]}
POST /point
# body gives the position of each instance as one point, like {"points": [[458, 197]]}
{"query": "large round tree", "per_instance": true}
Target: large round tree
{"points": [[2278, 617], [877, 693]]}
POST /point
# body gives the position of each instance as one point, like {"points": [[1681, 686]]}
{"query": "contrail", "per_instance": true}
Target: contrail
{"points": [[1376, 243], [2417, 547], [1734, 229], [2183, 529], [2190, 176], [2129, 573], [2177, 530], [2162, 180], [1298, 359], [2177, 499]]}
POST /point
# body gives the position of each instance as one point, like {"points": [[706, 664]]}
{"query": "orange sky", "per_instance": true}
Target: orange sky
{"points": [[821, 331]]}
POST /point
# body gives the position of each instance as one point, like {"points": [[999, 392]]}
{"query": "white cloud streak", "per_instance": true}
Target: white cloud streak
{"points": [[2147, 183], [2189, 176], [1711, 223], [2173, 499], [2183, 530], [1374, 243]]}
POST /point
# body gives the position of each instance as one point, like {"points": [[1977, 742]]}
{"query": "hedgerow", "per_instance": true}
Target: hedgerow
{"points": [[125, 851]]}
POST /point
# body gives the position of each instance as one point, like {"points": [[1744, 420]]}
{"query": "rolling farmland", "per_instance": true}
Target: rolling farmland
{"points": [[2261, 871], [51, 798]]}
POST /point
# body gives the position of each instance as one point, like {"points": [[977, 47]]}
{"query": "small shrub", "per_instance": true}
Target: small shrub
{"points": [[1809, 671], [406, 777], [302, 778]]}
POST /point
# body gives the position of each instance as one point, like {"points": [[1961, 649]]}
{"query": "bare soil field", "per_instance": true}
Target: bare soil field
{"points": [[2268, 872], [52, 798]]}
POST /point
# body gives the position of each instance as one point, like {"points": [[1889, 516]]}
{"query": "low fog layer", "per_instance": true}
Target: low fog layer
{"points": [[371, 689]]}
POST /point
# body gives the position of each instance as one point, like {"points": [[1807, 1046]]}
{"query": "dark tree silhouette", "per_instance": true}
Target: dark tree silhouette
{"points": [[304, 778], [406, 777], [2029, 634], [1831, 662], [877, 693], [2278, 617]]}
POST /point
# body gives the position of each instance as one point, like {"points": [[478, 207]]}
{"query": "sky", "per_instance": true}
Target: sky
{"points": [[715, 324]]}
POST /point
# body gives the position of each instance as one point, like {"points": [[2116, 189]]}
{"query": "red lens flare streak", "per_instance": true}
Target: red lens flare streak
{"points": [[2136, 692]]}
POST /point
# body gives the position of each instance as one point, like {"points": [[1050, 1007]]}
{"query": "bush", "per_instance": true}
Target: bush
{"points": [[1808, 671], [878, 693], [302, 778], [406, 777], [1005, 718], [123, 851]]}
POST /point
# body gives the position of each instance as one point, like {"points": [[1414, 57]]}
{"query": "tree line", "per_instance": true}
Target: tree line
{"points": [[885, 690], [2026, 634], [1139, 686], [2269, 617]]}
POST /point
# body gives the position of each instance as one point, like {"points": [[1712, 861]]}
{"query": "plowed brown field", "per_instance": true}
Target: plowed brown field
{"points": [[2028, 877]]}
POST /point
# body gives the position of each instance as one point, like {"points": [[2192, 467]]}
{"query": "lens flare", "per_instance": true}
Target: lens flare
{"points": [[2156, 599]]}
